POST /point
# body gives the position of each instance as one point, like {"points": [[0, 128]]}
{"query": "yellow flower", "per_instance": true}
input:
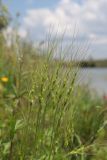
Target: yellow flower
{"points": [[4, 79]]}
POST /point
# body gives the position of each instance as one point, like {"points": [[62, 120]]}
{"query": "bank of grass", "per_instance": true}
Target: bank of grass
{"points": [[43, 114]]}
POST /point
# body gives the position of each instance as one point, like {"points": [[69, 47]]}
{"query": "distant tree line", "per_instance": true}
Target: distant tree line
{"points": [[87, 64], [93, 63]]}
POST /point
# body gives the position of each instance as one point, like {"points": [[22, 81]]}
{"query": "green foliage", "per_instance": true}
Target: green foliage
{"points": [[43, 114], [4, 16]]}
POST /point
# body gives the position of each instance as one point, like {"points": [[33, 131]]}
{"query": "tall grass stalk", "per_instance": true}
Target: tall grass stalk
{"points": [[44, 115]]}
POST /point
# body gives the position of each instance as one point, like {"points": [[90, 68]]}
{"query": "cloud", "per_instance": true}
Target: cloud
{"points": [[10, 34], [22, 32], [89, 17]]}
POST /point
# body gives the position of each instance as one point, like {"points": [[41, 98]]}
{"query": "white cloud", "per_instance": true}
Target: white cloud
{"points": [[90, 18], [22, 32], [10, 34]]}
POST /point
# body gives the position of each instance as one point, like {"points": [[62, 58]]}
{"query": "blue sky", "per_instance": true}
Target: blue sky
{"points": [[89, 16], [23, 5]]}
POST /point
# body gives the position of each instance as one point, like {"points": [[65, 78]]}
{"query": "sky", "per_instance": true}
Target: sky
{"points": [[86, 19]]}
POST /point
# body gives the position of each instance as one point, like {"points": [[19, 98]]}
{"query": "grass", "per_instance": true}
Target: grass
{"points": [[43, 114]]}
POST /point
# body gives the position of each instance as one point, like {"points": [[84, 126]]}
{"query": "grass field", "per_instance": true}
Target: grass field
{"points": [[43, 114]]}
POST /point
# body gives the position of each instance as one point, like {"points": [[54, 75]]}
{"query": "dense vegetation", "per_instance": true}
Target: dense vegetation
{"points": [[44, 115]]}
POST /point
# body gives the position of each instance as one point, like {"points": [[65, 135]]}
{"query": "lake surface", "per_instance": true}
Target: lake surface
{"points": [[96, 78]]}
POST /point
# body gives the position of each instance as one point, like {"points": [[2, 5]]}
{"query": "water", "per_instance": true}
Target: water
{"points": [[96, 78]]}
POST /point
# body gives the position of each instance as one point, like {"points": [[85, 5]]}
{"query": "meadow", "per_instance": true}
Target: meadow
{"points": [[44, 115]]}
